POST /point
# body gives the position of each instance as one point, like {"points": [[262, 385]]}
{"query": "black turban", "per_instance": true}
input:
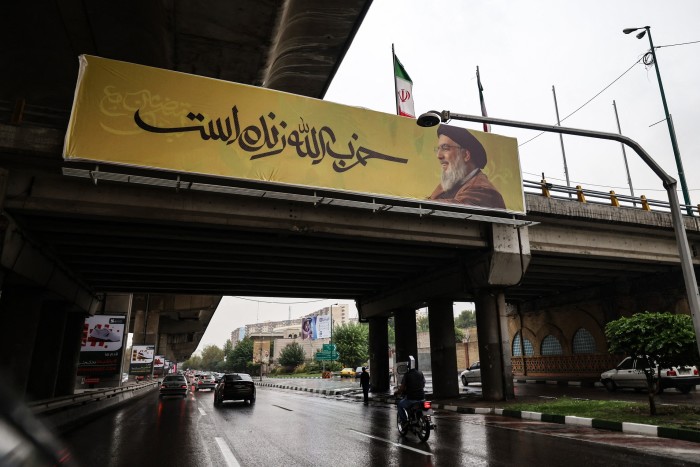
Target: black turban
{"points": [[466, 140]]}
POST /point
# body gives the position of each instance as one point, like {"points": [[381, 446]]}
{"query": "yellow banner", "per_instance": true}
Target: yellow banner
{"points": [[148, 117]]}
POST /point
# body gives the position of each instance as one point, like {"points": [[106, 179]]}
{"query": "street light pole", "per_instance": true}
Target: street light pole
{"points": [[433, 118], [669, 122]]}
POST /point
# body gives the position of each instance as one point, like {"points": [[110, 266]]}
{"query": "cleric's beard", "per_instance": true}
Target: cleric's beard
{"points": [[455, 174]]}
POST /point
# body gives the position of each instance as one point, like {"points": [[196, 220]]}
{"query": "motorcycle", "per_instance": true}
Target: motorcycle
{"points": [[420, 420]]}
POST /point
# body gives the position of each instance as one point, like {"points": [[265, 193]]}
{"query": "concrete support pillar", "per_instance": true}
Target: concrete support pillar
{"points": [[443, 350], [379, 354], [494, 346], [146, 324], [46, 355], [70, 354], [20, 313], [406, 336]]}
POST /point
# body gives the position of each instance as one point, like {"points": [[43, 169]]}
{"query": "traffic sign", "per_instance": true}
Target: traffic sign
{"points": [[326, 356], [329, 347]]}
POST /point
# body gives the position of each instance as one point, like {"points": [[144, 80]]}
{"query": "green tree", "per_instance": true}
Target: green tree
{"points": [[466, 319], [228, 347], [239, 357], [459, 335], [352, 343], [211, 356], [663, 338], [194, 363], [422, 324], [292, 355]]}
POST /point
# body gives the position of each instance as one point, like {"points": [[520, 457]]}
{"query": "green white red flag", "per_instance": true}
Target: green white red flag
{"points": [[487, 127], [404, 90]]}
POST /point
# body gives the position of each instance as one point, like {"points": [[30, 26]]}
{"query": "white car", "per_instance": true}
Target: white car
{"points": [[629, 373], [471, 374]]}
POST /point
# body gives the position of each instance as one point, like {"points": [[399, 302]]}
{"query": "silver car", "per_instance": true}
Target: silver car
{"points": [[471, 374]]}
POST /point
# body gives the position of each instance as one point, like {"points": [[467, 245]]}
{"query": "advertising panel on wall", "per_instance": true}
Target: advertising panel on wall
{"points": [[101, 345], [308, 328], [141, 360], [139, 116], [323, 326]]}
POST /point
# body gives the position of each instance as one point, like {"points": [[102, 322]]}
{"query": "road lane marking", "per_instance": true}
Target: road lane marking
{"points": [[402, 446], [283, 408], [226, 452], [201, 410]]}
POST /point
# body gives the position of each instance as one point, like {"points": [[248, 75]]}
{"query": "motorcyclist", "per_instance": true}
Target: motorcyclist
{"points": [[412, 389]]}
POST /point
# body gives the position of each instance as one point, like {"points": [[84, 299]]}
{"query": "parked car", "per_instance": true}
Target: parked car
{"points": [[629, 373], [174, 385], [471, 374], [349, 372], [205, 382], [234, 386]]}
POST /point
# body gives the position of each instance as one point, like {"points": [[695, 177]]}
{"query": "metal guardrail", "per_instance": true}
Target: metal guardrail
{"points": [[582, 195], [78, 400]]}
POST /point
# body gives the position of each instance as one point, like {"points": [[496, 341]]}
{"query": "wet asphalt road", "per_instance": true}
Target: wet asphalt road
{"points": [[291, 428]]}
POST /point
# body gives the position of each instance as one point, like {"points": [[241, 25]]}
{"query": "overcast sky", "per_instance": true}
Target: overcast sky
{"points": [[522, 49]]}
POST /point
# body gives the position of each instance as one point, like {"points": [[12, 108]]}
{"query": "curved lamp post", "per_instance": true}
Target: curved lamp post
{"points": [[433, 118], [646, 30]]}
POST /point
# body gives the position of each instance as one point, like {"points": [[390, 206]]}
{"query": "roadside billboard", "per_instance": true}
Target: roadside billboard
{"points": [[101, 345], [323, 326], [308, 328], [140, 116], [141, 360], [159, 365]]}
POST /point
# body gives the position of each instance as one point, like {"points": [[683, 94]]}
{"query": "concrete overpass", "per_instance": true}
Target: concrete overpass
{"points": [[78, 238]]}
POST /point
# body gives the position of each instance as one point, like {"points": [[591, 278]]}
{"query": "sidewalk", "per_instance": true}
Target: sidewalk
{"points": [[474, 404]]}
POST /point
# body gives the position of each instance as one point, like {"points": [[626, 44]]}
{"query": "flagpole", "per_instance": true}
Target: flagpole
{"points": [[561, 139], [393, 77], [487, 127]]}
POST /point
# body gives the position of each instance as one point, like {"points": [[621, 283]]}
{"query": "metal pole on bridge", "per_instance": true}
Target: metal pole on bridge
{"points": [[434, 117]]}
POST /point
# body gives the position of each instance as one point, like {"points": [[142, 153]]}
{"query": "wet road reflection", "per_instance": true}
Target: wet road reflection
{"points": [[290, 428]]}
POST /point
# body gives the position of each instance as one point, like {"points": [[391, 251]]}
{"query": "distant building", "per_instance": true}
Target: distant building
{"points": [[274, 336], [237, 335]]}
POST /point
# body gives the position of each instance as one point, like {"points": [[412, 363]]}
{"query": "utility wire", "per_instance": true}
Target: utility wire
{"points": [[674, 45], [587, 102]]}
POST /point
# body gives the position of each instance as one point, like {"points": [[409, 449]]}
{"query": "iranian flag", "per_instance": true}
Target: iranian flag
{"points": [[404, 91]]}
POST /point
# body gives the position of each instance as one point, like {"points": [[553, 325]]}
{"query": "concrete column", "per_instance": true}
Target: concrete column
{"points": [[379, 354], [46, 355], [20, 313], [494, 346], [139, 329], [70, 354], [443, 349], [406, 335], [146, 324]]}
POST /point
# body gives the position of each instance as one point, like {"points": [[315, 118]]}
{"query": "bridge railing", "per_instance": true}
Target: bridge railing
{"points": [[609, 198]]}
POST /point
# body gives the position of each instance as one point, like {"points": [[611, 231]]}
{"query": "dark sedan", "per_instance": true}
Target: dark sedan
{"points": [[174, 385], [234, 386]]}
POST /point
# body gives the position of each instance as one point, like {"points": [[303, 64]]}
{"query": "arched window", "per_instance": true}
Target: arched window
{"points": [[583, 342], [551, 346], [517, 350]]}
